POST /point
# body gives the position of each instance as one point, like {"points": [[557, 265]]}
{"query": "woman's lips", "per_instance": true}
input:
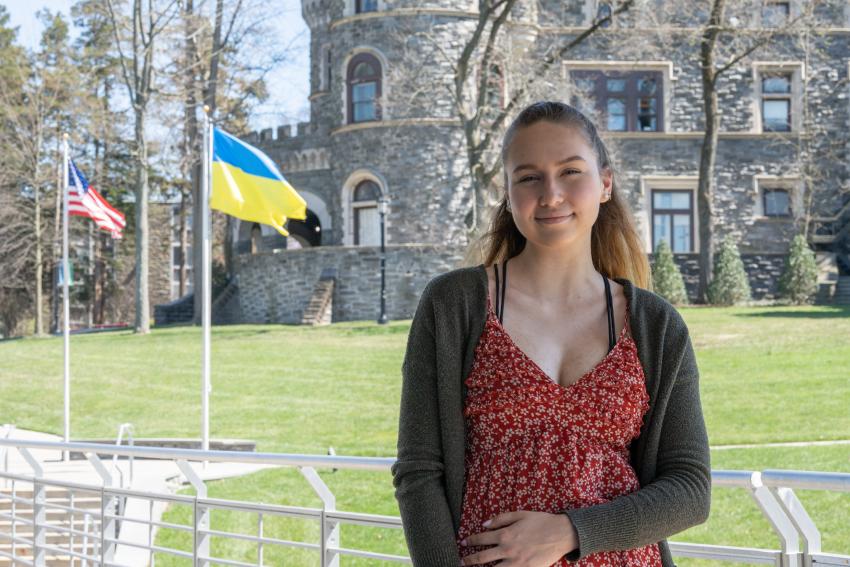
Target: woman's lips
{"points": [[554, 220]]}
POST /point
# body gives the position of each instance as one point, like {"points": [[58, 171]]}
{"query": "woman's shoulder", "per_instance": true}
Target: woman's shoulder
{"points": [[650, 307], [456, 283]]}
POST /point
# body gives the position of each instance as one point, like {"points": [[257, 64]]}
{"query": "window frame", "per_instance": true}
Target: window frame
{"points": [[630, 94], [766, 3], [356, 206], [349, 9], [691, 211], [765, 191], [763, 69], [784, 96], [346, 197], [325, 68], [358, 6], [793, 185], [591, 13], [643, 215], [363, 56]]}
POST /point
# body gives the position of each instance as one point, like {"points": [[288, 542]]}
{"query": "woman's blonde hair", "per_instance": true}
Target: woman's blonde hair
{"points": [[615, 246]]}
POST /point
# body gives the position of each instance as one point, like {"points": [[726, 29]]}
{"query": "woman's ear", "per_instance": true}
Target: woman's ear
{"points": [[607, 178]]}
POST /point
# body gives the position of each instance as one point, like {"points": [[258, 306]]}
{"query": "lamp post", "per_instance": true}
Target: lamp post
{"points": [[383, 202]]}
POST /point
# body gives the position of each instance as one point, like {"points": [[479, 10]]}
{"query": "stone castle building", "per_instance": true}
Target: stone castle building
{"points": [[782, 161]]}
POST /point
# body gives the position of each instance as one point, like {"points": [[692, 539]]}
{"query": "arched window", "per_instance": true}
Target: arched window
{"points": [[361, 6], [325, 68], [256, 239], [603, 10], [367, 224], [364, 88]]}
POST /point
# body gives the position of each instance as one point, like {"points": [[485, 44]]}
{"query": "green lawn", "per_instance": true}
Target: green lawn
{"points": [[767, 375]]}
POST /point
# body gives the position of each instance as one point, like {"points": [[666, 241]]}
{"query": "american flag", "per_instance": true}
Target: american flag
{"points": [[85, 201]]}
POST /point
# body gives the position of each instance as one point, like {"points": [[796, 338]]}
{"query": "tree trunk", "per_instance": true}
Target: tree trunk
{"points": [[142, 324], [90, 275], [708, 155], [191, 157], [98, 288], [184, 243], [57, 246], [39, 268]]}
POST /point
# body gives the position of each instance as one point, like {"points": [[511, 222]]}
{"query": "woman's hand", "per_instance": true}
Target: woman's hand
{"points": [[524, 539]]}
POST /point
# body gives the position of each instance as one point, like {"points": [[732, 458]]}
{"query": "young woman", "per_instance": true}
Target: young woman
{"points": [[552, 416]]}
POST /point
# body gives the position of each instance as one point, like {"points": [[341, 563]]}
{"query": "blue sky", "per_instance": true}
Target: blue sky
{"points": [[289, 84]]}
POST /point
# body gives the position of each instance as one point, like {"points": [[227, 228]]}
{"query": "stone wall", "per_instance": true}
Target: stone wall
{"points": [[416, 151], [275, 288], [763, 271]]}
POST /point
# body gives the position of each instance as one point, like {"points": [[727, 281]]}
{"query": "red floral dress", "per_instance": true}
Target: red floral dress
{"points": [[533, 444]]}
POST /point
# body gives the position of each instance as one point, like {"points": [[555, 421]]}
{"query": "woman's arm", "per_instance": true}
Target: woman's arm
{"points": [[418, 472], [680, 495]]}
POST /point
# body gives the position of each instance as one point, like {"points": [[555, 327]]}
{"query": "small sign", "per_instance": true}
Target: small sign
{"points": [[59, 275]]}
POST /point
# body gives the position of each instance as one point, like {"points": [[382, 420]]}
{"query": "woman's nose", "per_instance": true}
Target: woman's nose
{"points": [[552, 192]]}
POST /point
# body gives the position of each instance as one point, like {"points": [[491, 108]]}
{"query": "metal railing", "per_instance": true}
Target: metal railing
{"points": [[128, 427], [5, 431], [772, 490]]}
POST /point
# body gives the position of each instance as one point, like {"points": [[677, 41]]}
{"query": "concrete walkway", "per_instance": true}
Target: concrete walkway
{"points": [[149, 475]]}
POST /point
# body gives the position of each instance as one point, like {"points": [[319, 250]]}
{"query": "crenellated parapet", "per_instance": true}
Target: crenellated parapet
{"points": [[309, 159], [281, 133], [302, 151]]}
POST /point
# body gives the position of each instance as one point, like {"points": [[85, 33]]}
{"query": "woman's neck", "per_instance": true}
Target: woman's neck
{"points": [[556, 276]]}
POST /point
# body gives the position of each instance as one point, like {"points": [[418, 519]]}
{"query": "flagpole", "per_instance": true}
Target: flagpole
{"points": [[206, 292], [66, 305]]}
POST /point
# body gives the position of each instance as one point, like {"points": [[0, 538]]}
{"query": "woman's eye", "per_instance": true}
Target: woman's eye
{"points": [[533, 177]]}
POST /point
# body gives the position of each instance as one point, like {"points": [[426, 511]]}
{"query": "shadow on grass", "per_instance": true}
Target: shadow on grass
{"points": [[224, 333], [837, 312], [368, 328]]}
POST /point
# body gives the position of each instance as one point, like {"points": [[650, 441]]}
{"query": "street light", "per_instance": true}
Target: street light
{"points": [[383, 202]]}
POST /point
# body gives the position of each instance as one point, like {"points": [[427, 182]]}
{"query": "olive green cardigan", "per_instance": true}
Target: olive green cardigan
{"points": [[671, 455]]}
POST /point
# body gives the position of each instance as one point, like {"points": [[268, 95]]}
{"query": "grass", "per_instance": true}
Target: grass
{"points": [[767, 374]]}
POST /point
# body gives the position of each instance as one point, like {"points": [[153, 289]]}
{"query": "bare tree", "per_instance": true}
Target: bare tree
{"points": [[35, 98], [95, 57], [722, 47], [722, 37], [218, 67], [496, 70], [136, 38]]}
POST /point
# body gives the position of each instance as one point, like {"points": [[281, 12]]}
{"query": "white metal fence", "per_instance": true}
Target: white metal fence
{"points": [[42, 531]]}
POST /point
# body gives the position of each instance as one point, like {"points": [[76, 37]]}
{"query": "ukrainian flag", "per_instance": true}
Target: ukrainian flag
{"points": [[247, 185]]}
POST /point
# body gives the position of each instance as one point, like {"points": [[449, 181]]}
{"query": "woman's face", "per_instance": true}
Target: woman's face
{"points": [[552, 172]]}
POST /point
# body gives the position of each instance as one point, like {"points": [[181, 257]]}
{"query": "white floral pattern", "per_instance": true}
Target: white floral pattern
{"points": [[533, 444]]}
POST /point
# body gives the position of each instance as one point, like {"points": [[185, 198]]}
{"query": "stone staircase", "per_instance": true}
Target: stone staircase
{"points": [[319, 310], [830, 237], [225, 307], [55, 516]]}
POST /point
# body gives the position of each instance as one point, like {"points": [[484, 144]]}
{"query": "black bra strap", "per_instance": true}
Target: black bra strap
{"points": [[496, 303], [504, 287], [500, 290], [500, 301], [612, 339]]}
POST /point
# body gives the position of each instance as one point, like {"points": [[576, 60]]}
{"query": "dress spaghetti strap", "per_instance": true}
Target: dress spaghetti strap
{"points": [[502, 287]]}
